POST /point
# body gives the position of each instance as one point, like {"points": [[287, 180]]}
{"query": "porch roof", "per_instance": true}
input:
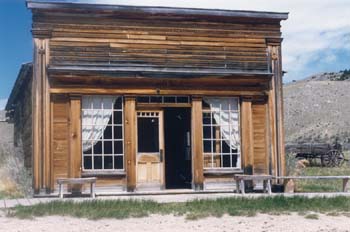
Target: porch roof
{"points": [[156, 71], [95, 5]]}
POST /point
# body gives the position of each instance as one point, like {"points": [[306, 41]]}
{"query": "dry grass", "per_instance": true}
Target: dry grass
{"points": [[15, 180], [318, 185]]}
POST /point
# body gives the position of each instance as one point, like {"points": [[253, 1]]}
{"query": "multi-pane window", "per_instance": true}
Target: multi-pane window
{"points": [[102, 133], [221, 137], [163, 99]]}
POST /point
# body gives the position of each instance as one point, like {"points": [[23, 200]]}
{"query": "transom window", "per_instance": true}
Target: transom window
{"points": [[163, 99], [221, 137], [102, 133]]}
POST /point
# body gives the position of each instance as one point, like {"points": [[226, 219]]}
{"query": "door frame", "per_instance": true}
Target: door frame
{"points": [[161, 145]]}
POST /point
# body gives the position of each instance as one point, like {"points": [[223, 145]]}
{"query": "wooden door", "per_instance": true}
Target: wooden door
{"points": [[150, 150]]}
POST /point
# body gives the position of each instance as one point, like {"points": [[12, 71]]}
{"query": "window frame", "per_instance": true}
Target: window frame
{"points": [[113, 140], [212, 139]]}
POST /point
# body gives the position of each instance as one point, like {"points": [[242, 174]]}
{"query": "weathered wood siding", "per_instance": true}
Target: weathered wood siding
{"points": [[160, 42], [259, 112], [60, 136]]}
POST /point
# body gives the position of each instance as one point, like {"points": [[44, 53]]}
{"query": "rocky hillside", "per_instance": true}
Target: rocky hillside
{"points": [[317, 109]]}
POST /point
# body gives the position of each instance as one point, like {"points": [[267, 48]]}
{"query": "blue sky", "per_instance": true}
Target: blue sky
{"points": [[316, 35]]}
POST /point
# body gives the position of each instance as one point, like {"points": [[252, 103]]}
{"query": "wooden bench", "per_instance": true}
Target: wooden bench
{"points": [[80, 181], [288, 179], [241, 178]]}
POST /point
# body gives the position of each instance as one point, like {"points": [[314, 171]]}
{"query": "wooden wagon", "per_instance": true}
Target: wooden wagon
{"points": [[329, 155]]}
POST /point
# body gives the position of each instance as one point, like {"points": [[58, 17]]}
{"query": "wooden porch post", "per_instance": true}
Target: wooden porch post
{"points": [[274, 48], [75, 152], [41, 117], [130, 142], [247, 135], [197, 143]]}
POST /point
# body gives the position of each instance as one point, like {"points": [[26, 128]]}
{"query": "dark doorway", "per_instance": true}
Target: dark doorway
{"points": [[177, 128]]}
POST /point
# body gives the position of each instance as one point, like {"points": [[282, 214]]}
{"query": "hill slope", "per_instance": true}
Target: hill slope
{"points": [[317, 109]]}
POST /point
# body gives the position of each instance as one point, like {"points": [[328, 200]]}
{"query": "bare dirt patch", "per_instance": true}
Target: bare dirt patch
{"points": [[260, 222]]}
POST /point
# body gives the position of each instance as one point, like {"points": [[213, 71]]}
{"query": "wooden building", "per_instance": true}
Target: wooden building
{"points": [[154, 97]]}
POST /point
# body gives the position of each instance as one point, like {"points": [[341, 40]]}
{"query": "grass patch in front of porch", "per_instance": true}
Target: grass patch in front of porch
{"points": [[237, 206]]}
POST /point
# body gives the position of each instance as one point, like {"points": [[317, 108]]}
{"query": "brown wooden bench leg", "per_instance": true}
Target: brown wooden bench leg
{"points": [[346, 186]]}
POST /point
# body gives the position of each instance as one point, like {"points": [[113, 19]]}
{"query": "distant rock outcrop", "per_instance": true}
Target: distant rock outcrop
{"points": [[317, 109]]}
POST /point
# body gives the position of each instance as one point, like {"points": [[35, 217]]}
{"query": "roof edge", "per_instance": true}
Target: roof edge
{"points": [[153, 70], [24, 71], [60, 4]]}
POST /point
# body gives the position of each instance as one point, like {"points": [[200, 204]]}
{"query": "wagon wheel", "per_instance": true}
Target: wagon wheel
{"points": [[326, 160], [333, 158], [339, 158]]}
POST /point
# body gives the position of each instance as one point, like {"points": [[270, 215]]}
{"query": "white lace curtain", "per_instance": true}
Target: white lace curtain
{"points": [[96, 113], [226, 115]]}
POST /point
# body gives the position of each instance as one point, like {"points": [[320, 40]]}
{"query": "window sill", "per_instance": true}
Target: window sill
{"points": [[219, 171], [102, 173]]}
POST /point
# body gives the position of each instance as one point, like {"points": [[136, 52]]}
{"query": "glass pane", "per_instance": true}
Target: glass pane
{"points": [[108, 132], [225, 146], [207, 132], [143, 99], [118, 147], [97, 103], [156, 99], [205, 105], [87, 162], [226, 161], [108, 147], [234, 160], [217, 161], [98, 162], [98, 148], [107, 117], [148, 134], [118, 162], [108, 162], [208, 161], [87, 147], [169, 99], [87, 117], [182, 99], [216, 132], [108, 103], [86, 103], [118, 103], [118, 132], [207, 146], [118, 117], [206, 118], [217, 146]]}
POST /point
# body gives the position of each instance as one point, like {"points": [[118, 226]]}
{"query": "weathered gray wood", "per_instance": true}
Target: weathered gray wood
{"points": [[265, 178], [76, 180], [39, 4], [252, 177], [242, 186], [91, 181]]}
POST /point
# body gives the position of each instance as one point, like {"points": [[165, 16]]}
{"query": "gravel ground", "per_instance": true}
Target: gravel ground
{"points": [[169, 223]]}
